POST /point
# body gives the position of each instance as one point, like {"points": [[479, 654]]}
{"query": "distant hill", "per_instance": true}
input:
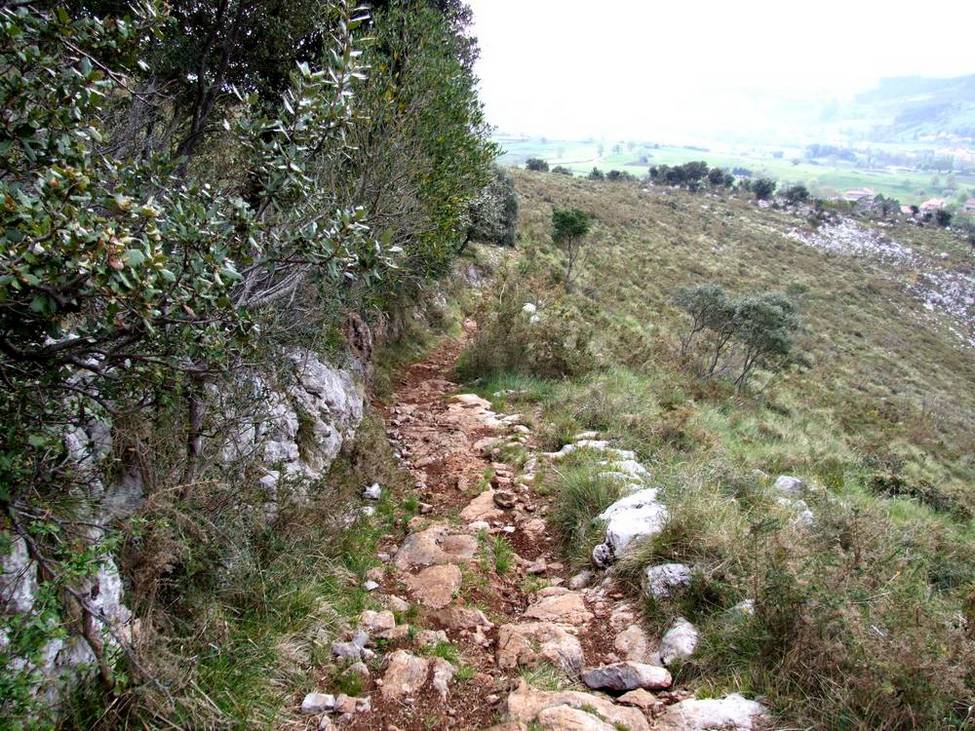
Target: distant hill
{"points": [[909, 108]]}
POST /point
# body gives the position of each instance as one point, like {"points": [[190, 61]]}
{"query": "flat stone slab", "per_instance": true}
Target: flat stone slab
{"points": [[405, 675], [435, 586], [435, 545], [566, 608], [524, 705], [481, 508], [634, 644], [731, 712], [622, 676], [567, 718], [534, 642]]}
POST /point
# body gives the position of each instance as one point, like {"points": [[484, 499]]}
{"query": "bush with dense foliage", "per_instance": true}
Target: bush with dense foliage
{"points": [[494, 213], [187, 191], [754, 331], [796, 194], [763, 188], [536, 164]]}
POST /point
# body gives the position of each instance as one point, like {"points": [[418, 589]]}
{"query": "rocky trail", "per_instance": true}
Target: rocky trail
{"points": [[479, 608]]}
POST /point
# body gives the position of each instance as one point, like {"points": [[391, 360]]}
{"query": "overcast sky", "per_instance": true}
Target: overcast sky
{"points": [[639, 68]]}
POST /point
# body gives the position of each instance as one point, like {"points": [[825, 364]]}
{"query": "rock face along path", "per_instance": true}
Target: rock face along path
{"points": [[481, 614]]}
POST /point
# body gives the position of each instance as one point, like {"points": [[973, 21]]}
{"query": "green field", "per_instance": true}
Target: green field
{"points": [[824, 180]]}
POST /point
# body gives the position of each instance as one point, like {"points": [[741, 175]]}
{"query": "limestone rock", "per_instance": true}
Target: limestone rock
{"points": [[443, 673], [678, 642], [435, 586], [567, 608], [405, 675], [464, 618], [634, 644], [435, 545], [639, 698], [377, 621], [481, 508], [525, 703], [567, 718], [373, 492], [581, 580], [533, 642], [470, 401], [315, 703], [636, 516], [621, 676], [504, 499], [662, 581], [731, 712], [790, 486]]}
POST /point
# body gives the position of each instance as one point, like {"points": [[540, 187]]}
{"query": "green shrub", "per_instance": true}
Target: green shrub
{"points": [[515, 336], [494, 213], [536, 164], [763, 188]]}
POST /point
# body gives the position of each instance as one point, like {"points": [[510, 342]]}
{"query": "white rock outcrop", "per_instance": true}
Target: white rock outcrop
{"points": [[678, 642], [731, 712], [663, 580], [635, 516]]}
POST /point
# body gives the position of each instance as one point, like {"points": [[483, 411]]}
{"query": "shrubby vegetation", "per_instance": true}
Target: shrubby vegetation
{"points": [[494, 213], [691, 175], [796, 194], [536, 164], [763, 188], [861, 618], [185, 195], [755, 331]]}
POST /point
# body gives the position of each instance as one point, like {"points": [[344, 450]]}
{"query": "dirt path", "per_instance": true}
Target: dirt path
{"points": [[484, 626]]}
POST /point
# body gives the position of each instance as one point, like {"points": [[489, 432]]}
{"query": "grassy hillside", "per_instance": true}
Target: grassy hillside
{"points": [[861, 617]]}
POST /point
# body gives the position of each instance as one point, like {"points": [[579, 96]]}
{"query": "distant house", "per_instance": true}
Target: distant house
{"points": [[858, 194], [932, 204], [969, 206]]}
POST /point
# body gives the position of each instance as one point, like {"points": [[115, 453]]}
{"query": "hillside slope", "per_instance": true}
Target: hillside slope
{"points": [[832, 499]]}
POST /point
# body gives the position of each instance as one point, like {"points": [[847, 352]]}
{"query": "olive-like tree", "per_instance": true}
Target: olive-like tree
{"points": [[569, 229], [763, 188]]}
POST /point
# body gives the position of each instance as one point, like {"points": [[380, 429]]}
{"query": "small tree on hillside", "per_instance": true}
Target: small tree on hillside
{"points": [[536, 164], [569, 229], [710, 309], [596, 174], [764, 325], [942, 217], [763, 188], [560, 170]]}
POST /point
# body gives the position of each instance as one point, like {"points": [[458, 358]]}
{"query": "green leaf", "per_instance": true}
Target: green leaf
{"points": [[134, 257]]}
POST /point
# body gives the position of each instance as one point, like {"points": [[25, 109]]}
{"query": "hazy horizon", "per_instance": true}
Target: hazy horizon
{"points": [[691, 71]]}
